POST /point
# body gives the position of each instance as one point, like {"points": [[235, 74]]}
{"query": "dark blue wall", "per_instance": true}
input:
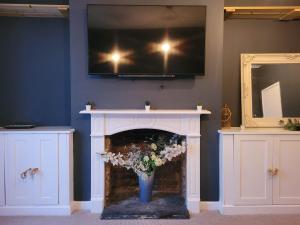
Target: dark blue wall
{"points": [[125, 94], [34, 71]]}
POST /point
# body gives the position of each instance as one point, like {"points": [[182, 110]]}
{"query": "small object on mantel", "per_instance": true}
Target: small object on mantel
{"points": [[226, 117], [199, 107], [88, 106], [147, 105]]}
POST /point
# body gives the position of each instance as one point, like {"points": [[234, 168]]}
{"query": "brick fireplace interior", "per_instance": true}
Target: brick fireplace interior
{"points": [[121, 184]]}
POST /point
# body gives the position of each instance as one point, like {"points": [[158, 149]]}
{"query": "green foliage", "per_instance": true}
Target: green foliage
{"points": [[292, 124], [150, 165]]}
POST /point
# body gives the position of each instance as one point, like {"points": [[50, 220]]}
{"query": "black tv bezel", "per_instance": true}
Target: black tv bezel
{"points": [[144, 75]]}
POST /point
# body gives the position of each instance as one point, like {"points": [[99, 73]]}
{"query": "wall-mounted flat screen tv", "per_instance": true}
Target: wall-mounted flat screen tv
{"points": [[152, 40]]}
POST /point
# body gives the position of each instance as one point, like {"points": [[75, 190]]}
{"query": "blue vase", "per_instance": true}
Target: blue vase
{"points": [[146, 184]]}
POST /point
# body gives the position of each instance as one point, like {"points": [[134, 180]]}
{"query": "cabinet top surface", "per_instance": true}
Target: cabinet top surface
{"points": [[238, 130], [54, 130]]}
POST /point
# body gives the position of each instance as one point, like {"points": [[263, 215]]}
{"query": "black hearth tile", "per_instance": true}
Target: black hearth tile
{"points": [[161, 207]]}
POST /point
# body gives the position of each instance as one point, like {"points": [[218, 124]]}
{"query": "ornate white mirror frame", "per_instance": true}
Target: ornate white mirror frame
{"points": [[247, 60]]}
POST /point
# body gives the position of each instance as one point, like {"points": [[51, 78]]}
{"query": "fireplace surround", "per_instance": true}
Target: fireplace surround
{"points": [[109, 122]]}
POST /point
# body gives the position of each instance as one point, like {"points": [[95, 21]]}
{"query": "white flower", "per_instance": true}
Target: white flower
{"points": [[136, 159], [158, 162], [153, 156], [154, 146], [141, 167]]}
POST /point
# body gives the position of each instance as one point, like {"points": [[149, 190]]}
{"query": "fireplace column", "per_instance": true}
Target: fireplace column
{"points": [[193, 174], [97, 164]]}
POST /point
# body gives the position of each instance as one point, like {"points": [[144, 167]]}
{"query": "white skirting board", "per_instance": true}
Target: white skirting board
{"points": [[226, 210], [81, 205], [263, 209], [209, 206], [86, 205]]}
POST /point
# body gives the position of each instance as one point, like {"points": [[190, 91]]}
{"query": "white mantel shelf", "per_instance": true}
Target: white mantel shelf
{"points": [[142, 111]]}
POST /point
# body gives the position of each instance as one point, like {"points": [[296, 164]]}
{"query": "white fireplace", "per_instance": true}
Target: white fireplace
{"points": [[109, 122]]}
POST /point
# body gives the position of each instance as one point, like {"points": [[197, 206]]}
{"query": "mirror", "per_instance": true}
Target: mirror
{"points": [[270, 88]]}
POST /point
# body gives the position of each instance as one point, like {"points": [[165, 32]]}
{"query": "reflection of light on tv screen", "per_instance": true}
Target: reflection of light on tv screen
{"points": [[115, 58]]}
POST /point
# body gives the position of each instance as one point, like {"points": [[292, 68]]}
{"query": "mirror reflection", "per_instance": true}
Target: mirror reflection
{"points": [[275, 90]]}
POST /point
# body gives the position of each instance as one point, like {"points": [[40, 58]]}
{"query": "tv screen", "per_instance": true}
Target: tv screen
{"points": [[134, 40]]}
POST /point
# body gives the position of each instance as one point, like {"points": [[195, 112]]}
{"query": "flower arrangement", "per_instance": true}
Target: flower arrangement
{"points": [[144, 160]]}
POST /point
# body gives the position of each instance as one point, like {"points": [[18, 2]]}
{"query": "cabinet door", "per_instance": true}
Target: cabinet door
{"points": [[2, 189], [46, 178], [252, 159], [286, 184], [20, 155]]}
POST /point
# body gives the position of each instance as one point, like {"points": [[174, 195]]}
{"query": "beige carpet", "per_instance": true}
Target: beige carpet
{"points": [[205, 218]]}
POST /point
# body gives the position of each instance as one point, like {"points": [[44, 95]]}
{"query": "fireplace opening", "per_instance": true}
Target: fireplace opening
{"points": [[121, 185]]}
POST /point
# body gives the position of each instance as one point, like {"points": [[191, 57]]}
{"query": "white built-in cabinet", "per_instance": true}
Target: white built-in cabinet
{"points": [[2, 177], [36, 171], [286, 157], [259, 171], [252, 159]]}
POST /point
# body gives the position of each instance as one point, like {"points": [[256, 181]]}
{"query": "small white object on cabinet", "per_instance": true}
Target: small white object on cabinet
{"points": [[38, 178], [259, 171]]}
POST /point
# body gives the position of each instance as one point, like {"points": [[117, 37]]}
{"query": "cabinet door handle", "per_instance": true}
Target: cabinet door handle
{"points": [[23, 175], [34, 171], [270, 171], [275, 172]]}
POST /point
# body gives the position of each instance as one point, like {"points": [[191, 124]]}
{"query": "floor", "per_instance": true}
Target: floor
{"points": [[205, 218]]}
